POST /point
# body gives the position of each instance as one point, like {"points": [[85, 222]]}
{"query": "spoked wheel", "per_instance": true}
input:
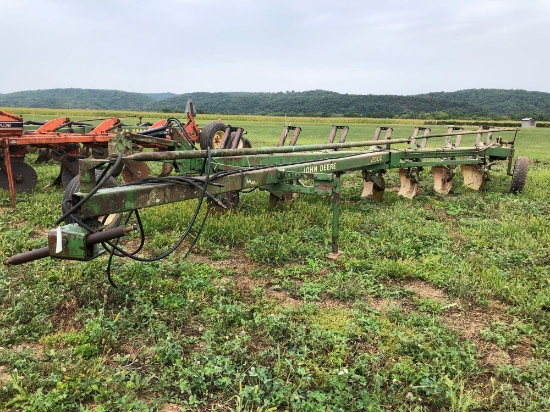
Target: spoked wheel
{"points": [[212, 135], [519, 176], [24, 177], [109, 221]]}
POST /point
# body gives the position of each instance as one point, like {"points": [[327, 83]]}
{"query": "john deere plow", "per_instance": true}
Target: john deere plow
{"points": [[96, 210]]}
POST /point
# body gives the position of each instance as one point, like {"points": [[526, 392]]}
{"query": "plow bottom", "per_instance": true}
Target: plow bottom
{"points": [[474, 176], [374, 190], [443, 179], [24, 177], [409, 183]]}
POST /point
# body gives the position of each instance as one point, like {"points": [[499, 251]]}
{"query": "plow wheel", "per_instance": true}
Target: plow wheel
{"points": [[373, 186], [134, 171], [212, 135], [409, 183], [474, 176], [109, 221], [230, 200], [443, 179], [24, 177], [519, 176]]}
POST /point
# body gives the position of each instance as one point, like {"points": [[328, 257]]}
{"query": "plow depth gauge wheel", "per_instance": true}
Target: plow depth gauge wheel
{"points": [[519, 176]]}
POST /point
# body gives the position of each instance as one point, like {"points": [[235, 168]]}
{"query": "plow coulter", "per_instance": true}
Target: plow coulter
{"points": [[221, 175]]}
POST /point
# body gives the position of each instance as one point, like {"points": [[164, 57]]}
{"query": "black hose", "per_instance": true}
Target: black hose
{"points": [[115, 250], [185, 134], [103, 179]]}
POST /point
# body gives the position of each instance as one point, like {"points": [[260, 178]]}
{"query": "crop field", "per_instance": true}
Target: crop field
{"points": [[440, 303]]}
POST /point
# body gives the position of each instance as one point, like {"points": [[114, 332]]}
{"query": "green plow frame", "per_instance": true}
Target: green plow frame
{"points": [[220, 175]]}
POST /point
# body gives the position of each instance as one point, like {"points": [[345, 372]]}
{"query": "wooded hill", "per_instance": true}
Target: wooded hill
{"points": [[495, 104]]}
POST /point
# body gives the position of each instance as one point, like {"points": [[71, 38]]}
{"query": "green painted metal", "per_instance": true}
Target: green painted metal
{"points": [[307, 169], [69, 242], [337, 187]]}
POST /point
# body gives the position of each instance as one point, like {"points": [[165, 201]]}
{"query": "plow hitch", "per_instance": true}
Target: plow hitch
{"points": [[71, 242]]}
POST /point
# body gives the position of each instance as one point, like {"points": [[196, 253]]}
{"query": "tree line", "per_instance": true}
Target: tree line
{"points": [[494, 104]]}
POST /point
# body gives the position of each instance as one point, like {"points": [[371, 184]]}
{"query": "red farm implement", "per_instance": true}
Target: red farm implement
{"points": [[58, 140]]}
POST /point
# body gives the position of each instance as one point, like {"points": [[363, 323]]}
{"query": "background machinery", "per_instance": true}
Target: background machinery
{"points": [[59, 140]]}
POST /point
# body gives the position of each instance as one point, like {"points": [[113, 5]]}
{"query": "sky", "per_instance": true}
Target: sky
{"points": [[401, 47]]}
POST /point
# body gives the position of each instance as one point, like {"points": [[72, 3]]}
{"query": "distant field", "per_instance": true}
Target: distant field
{"points": [[78, 114], [439, 303]]}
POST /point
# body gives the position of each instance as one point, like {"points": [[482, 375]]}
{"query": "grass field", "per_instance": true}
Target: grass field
{"points": [[439, 303]]}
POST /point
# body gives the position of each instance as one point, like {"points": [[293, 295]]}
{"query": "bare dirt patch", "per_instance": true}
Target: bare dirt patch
{"points": [[170, 407], [64, 315], [469, 320], [460, 316], [382, 304], [36, 349], [5, 377], [238, 264], [40, 233], [425, 290], [242, 268]]}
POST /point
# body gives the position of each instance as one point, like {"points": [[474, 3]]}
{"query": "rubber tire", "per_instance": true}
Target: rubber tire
{"points": [[30, 178], [74, 187], [209, 132], [519, 176]]}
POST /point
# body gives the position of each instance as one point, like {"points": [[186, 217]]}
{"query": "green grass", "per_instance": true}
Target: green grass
{"points": [[439, 303]]}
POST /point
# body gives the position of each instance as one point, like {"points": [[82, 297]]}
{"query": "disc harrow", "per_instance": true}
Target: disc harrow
{"points": [[57, 139]]}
